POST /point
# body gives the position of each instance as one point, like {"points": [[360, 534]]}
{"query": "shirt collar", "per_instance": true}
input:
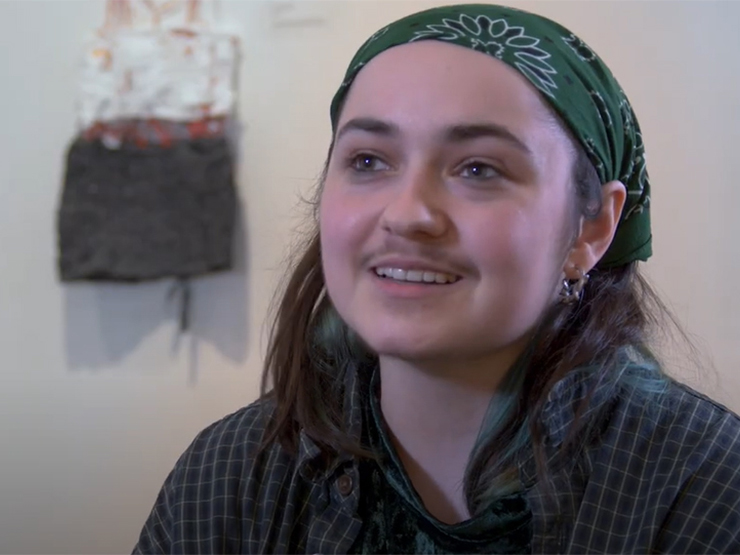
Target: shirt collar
{"points": [[598, 389], [567, 396], [593, 390], [314, 464]]}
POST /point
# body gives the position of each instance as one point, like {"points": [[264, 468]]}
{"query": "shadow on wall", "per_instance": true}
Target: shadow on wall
{"points": [[105, 322]]}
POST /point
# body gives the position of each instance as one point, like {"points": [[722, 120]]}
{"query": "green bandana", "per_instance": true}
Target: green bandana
{"points": [[570, 77]]}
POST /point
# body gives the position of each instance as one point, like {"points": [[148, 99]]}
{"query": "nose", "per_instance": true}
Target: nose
{"points": [[416, 208]]}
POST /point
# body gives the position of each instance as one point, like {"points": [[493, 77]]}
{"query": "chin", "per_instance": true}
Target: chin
{"points": [[407, 347]]}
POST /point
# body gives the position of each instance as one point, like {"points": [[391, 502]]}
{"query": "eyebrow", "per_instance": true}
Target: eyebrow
{"points": [[369, 125], [453, 134]]}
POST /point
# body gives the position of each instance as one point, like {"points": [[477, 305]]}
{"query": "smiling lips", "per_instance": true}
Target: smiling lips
{"points": [[415, 276]]}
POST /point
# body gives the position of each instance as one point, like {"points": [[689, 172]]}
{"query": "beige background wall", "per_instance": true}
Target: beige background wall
{"points": [[98, 396]]}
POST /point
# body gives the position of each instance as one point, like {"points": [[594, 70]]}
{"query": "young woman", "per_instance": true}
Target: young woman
{"points": [[460, 360]]}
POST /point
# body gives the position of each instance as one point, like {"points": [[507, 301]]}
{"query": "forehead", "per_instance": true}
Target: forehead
{"points": [[429, 83]]}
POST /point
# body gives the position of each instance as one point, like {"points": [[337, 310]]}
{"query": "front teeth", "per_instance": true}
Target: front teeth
{"points": [[417, 276]]}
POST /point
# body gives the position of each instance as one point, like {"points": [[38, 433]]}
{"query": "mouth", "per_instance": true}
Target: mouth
{"points": [[427, 277]]}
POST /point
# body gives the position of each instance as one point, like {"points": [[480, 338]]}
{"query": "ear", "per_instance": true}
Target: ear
{"points": [[596, 234]]}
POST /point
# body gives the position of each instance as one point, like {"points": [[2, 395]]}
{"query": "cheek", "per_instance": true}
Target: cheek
{"points": [[332, 236], [520, 246], [343, 229], [504, 240]]}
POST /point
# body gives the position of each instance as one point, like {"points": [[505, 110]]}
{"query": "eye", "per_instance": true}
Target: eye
{"points": [[479, 170], [367, 163]]}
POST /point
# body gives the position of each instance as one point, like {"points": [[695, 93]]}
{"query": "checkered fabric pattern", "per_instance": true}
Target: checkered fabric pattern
{"points": [[654, 474]]}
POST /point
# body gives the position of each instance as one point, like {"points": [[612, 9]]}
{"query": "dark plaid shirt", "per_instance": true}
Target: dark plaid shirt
{"points": [[656, 473]]}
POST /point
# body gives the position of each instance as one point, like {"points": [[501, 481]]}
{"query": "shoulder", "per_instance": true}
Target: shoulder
{"points": [[697, 409], [638, 405], [660, 467], [677, 455], [216, 491], [678, 414], [232, 448], [243, 430], [669, 424]]}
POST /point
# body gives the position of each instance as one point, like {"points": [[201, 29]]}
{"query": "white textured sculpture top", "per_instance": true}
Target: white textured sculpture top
{"points": [[158, 61]]}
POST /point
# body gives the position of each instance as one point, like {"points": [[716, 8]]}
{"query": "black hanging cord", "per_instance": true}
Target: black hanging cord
{"points": [[181, 288]]}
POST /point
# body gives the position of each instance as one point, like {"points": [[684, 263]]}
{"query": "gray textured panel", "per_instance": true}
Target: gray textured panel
{"points": [[133, 213]]}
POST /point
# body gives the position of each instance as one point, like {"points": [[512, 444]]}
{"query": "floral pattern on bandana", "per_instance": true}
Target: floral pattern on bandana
{"points": [[571, 78], [602, 108], [580, 48], [640, 200], [494, 37]]}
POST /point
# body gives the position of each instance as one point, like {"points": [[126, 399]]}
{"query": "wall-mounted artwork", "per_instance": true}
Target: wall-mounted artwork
{"points": [[148, 189]]}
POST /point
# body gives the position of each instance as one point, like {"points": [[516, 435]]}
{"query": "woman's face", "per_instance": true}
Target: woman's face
{"points": [[447, 209]]}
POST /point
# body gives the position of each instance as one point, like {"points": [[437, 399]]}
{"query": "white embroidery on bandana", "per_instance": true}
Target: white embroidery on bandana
{"points": [[497, 37]]}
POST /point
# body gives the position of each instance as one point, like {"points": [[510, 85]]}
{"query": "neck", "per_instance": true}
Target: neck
{"points": [[434, 412]]}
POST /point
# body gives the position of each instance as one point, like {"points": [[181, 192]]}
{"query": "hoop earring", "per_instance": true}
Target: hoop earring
{"points": [[572, 290]]}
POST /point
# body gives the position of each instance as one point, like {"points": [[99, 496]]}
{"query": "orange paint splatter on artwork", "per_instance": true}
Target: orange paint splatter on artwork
{"points": [[117, 14], [193, 12], [168, 6], [140, 142], [184, 33], [165, 139], [156, 14], [96, 130], [106, 55]]}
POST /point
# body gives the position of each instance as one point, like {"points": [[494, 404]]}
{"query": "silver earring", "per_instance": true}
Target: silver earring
{"points": [[572, 290]]}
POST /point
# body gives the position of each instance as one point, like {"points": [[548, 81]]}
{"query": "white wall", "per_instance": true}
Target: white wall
{"points": [[97, 398]]}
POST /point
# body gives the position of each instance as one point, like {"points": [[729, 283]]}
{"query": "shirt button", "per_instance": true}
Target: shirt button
{"points": [[344, 484]]}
